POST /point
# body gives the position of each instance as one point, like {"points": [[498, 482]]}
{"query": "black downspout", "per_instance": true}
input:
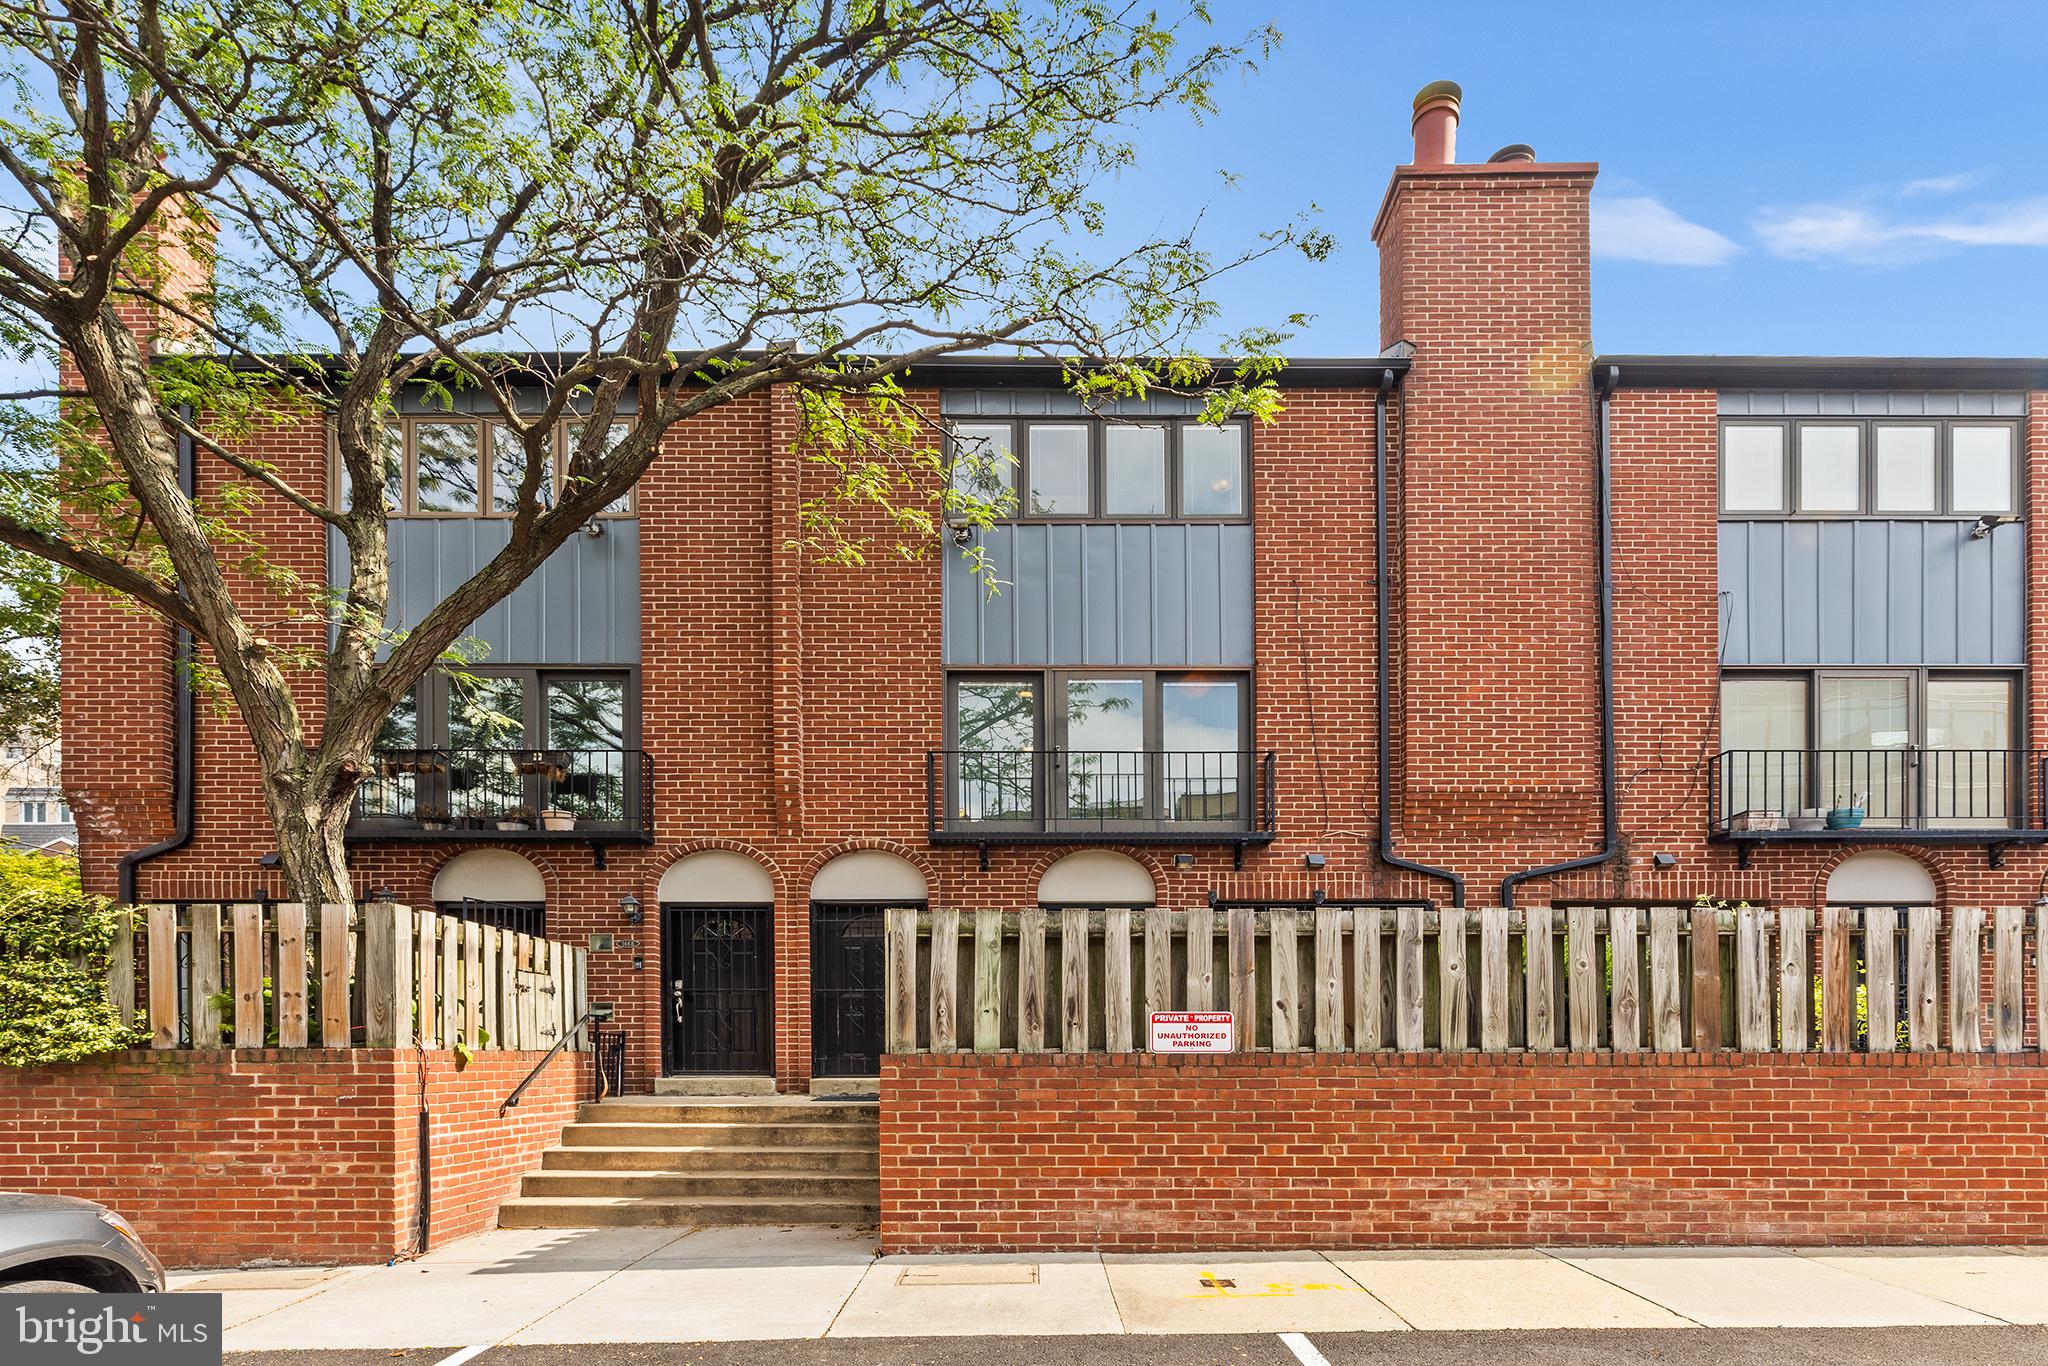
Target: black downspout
{"points": [[1610, 813], [181, 725], [1380, 609]]}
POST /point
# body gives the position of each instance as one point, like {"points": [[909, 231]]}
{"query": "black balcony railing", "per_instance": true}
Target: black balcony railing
{"points": [[1824, 791], [1185, 795], [517, 793]]}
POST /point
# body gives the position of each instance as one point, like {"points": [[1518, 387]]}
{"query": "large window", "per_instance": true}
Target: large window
{"points": [[470, 467], [1068, 469], [1850, 467], [1909, 747], [485, 745], [1100, 749]]}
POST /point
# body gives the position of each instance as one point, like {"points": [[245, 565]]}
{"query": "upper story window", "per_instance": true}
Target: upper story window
{"points": [[1855, 467], [44, 811], [470, 467], [1075, 469]]}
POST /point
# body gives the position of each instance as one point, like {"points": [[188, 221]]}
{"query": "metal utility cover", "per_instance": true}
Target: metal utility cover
{"points": [[968, 1275]]}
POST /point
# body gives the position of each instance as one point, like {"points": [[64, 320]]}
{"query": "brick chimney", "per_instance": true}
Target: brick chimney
{"points": [[1485, 270]]}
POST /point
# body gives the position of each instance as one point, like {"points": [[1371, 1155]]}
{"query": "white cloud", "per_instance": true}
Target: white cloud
{"points": [[1643, 228], [1946, 184], [1856, 232]]}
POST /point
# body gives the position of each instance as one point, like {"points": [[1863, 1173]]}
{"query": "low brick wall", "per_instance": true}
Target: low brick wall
{"points": [[1145, 1153], [292, 1155]]}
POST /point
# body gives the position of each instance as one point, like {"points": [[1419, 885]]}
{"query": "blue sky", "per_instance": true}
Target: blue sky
{"points": [[1825, 178]]}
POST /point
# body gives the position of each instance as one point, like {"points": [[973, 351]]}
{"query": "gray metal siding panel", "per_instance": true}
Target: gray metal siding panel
{"points": [[1868, 592], [582, 606], [1057, 402], [1169, 596]]}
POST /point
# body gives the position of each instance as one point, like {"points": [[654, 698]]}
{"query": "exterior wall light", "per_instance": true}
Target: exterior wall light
{"points": [[1664, 861], [1313, 862], [629, 908], [1183, 860]]}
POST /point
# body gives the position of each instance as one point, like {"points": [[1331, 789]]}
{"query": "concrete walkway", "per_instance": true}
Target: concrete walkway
{"points": [[532, 1287]]}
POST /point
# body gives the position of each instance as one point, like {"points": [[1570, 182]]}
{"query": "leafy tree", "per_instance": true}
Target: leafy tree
{"points": [[591, 212]]}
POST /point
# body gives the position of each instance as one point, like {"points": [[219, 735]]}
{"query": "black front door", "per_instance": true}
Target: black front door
{"points": [[846, 990], [721, 976]]}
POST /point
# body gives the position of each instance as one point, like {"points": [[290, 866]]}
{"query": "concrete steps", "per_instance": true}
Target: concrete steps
{"points": [[666, 1162]]}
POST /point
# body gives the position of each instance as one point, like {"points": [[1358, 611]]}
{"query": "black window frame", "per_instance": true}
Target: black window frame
{"points": [[1019, 486], [406, 427], [1944, 425]]}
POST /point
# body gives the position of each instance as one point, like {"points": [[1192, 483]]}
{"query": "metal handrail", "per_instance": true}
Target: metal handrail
{"points": [[547, 1058], [1061, 790], [1908, 787]]}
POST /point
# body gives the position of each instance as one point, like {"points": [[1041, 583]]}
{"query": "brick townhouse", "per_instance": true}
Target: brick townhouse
{"points": [[1486, 616]]}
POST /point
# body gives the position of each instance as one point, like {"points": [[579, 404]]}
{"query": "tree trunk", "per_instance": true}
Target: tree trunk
{"points": [[309, 813]]}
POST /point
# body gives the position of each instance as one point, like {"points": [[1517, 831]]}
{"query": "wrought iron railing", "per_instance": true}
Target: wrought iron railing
{"points": [[507, 791], [1754, 791], [1181, 793]]}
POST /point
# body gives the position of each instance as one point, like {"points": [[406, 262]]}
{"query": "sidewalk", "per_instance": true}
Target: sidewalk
{"points": [[731, 1284]]}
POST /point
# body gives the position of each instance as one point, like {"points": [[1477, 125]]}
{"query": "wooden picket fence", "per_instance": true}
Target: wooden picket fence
{"points": [[1336, 978], [380, 975]]}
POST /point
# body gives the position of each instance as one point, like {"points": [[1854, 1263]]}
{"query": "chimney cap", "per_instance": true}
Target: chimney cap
{"points": [[1514, 151], [1437, 90]]}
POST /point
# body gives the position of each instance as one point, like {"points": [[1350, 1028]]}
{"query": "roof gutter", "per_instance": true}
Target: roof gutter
{"points": [[181, 724], [1605, 381], [1388, 379]]}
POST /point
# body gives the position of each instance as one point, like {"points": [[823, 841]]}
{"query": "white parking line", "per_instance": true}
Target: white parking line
{"points": [[471, 1353], [1304, 1351]]}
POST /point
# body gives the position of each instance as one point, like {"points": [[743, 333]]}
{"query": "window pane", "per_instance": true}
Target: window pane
{"points": [[618, 433], [1865, 726], [1105, 758], [1212, 471], [393, 790], [508, 467], [446, 473], [1830, 472], [1134, 472], [1980, 469], [996, 725], [486, 729], [1200, 744], [984, 466], [1905, 469], [1059, 471], [1968, 771], [1763, 728], [392, 444], [585, 762], [1753, 469]]}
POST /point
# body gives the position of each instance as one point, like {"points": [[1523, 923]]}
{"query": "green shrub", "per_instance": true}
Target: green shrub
{"points": [[54, 942]]}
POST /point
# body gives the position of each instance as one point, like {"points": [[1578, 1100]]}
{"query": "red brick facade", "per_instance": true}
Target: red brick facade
{"points": [[789, 707], [1144, 1154], [298, 1155]]}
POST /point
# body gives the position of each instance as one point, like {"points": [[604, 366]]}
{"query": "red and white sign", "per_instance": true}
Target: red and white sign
{"points": [[1191, 1031]]}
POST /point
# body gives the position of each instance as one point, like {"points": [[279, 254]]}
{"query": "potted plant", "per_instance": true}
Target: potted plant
{"points": [[555, 818], [552, 764], [516, 818], [1847, 816], [1809, 818], [433, 817]]}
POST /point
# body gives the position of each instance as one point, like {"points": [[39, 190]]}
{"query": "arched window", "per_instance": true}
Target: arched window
{"points": [[1880, 877], [493, 887], [1096, 877]]}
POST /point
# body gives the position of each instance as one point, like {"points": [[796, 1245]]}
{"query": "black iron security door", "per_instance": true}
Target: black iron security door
{"points": [[721, 987], [846, 990]]}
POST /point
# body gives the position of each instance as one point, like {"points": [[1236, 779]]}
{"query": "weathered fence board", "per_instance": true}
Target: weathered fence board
{"points": [[1923, 979], [899, 972], [1366, 990], [1795, 980], [334, 976], [1454, 982], [1285, 967], [945, 993], [1626, 1023], [2008, 977], [1201, 941], [1837, 982], [1074, 980], [1158, 959], [988, 981], [289, 979], [1582, 957], [1965, 980], [1116, 980], [1244, 982], [1667, 1011], [248, 967], [1329, 989], [1540, 984], [121, 966], [1410, 1018], [162, 931], [1494, 1004], [1881, 977], [206, 975], [1706, 979]]}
